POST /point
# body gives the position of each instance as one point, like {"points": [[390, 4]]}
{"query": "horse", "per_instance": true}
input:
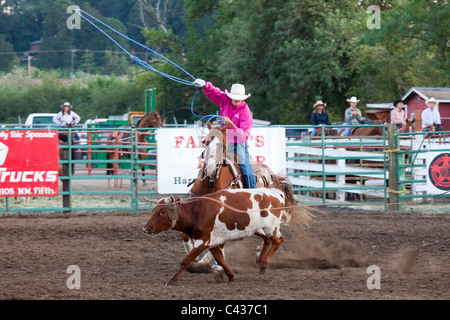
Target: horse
{"points": [[221, 171], [408, 128], [150, 120], [328, 132], [434, 132], [369, 131]]}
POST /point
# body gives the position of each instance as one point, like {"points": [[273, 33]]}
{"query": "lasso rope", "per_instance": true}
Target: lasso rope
{"points": [[82, 14], [192, 199], [143, 63]]}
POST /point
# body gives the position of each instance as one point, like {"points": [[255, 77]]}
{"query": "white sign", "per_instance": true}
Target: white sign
{"points": [[438, 172], [179, 155]]}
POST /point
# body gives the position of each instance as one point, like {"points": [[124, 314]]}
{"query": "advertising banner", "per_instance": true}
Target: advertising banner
{"points": [[179, 155], [438, 172], [28, 163]]}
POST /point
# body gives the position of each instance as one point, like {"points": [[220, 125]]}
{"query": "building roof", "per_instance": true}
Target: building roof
{"points": [[36, 42], [380, 105], [440, 94]]}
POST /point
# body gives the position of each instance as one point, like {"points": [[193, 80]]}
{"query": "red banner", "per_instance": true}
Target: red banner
{"points": [[28, 163]]}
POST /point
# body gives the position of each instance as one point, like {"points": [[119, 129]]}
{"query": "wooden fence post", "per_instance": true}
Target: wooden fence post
{"points": [[393, 167]]}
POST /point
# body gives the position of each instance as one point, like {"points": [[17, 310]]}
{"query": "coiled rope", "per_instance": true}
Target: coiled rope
{"points": [[88, 17]]}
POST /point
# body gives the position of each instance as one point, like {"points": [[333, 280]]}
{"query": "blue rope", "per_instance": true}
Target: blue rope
{"points": [[134, 58], [209, 117], [148, 66]]}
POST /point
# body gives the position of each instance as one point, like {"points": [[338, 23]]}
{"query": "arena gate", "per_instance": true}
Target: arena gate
{"points": [[85, 184], [390, 172]]}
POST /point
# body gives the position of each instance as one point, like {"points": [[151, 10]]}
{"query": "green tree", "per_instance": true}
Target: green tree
{"points": [[58, 40], [88, 62], [287, 53], [7, 57], [22, 21], [410, 49]]}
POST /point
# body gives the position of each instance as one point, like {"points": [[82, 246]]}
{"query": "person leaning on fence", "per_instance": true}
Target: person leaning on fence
{"points": [[238, 120], [66, 118], [430, 116], [397, 115], [319, 116], [352, 116]]}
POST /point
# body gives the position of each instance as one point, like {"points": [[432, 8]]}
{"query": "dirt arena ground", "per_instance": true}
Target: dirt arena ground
{"points": [[328, 260]]}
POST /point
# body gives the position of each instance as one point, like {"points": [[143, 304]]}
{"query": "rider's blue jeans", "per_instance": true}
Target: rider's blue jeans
{"points": [[241, 149]]}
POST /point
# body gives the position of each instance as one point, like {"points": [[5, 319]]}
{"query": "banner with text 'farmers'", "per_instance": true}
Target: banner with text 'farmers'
{"points": [[180, 161]]}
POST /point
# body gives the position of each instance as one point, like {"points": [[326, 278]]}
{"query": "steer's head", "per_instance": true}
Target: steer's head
{"points": [[164, 215]]}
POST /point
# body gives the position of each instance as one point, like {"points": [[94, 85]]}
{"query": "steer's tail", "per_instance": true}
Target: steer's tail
{"points": [[292, 209]]}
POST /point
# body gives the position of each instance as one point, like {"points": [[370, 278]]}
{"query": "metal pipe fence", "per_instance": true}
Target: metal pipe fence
{"points": [[117, 170]]}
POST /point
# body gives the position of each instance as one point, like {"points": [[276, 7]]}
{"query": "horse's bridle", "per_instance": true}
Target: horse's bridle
{"points": [[220, 161]]}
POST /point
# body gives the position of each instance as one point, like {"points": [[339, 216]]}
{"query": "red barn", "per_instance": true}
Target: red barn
{"points": [[415, 100], [35, 47]]}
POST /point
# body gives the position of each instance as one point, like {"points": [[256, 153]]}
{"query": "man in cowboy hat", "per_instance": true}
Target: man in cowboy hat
{"points": [[319, 116], [352, 115], [430, 116], [239, 121]]}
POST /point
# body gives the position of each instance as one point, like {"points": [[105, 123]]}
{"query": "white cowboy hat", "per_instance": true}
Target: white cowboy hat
{"points": [[352, 99], [318, 103], [66, 104], [237, 92], [433, 100]]}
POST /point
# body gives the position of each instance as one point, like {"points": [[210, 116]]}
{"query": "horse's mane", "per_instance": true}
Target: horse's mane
{"points": [[154, 114]]}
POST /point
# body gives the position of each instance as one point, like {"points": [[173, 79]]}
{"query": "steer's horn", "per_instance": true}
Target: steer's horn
{"points": [[169, 200]]}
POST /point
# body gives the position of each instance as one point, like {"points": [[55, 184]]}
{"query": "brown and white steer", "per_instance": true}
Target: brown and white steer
{"points": [[224, 216]]}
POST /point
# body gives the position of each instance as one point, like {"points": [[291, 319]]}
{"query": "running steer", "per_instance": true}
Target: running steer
{"points": [[224, 216]]}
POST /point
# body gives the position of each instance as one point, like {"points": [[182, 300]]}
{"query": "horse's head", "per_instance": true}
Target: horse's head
{"points": [[409, 127], [156, 120], [151, 120], [215, 149], [438, 127]]}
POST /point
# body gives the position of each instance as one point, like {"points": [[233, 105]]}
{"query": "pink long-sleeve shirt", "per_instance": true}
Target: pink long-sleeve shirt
{"points": [[240, 115], [397, 117]]}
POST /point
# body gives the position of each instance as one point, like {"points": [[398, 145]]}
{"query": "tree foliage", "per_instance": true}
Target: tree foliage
{"points": [[288, 53]]}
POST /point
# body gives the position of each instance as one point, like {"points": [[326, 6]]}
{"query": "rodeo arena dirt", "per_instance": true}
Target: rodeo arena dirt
{"points": [[330, 259]]}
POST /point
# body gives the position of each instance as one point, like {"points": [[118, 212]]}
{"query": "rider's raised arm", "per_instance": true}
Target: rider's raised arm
{"points": [[215, 94]]}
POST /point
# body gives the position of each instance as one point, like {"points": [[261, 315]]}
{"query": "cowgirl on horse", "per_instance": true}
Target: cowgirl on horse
{"points": [[238, 120]]}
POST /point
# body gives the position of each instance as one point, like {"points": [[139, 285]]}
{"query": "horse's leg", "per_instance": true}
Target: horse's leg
{"points": [[109, 166], [143, 157], [207, 258]]}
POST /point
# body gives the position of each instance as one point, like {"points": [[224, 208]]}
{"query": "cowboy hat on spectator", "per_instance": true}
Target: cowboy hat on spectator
{"points": [[66, 104], [352, 99], [432, 100], [318, 103]]}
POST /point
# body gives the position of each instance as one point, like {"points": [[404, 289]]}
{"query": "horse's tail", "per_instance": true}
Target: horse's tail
{"points": [[297, 213]]}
